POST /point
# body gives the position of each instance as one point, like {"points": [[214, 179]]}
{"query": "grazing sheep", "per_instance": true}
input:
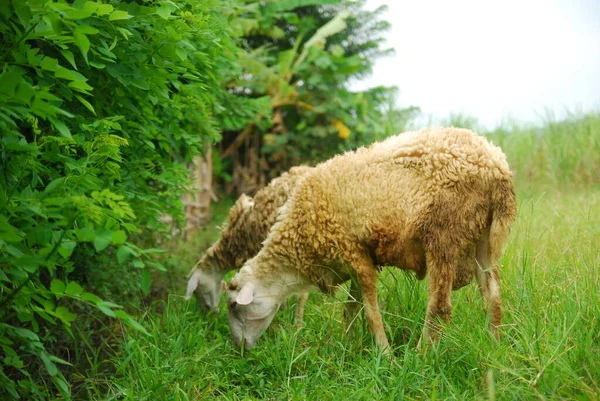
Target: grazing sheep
{"points": [[439, 201], [247, 226]]}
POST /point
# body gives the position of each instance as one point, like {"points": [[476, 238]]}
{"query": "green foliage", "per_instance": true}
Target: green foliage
{"points": [[304, 55], [101, 106], [564, 153]]}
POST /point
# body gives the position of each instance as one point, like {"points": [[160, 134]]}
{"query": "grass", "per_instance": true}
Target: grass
{"points": [[551, 294]]}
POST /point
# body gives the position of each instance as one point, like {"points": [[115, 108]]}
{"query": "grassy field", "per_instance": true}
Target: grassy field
{"points": [[551, 295]]}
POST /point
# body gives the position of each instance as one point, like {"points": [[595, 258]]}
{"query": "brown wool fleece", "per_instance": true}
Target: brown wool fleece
{"points": [[248, 224], [422, 201]]}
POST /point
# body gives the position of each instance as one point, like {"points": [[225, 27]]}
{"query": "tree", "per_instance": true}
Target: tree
{"points": [[303, 56], [102, 105]]}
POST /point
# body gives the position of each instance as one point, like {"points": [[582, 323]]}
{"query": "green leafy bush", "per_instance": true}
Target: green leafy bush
{"points": [[101, 106]]}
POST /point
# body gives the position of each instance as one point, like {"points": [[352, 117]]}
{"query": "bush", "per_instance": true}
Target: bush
{"points": [[101, 107]]}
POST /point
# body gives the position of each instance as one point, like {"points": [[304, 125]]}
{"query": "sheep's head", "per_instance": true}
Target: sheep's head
{"points": [[250, 312], [207, 288]]}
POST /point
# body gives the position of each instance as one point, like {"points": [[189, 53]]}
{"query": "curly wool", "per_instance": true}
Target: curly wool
{"points": [[248, 224], [432, 190]]}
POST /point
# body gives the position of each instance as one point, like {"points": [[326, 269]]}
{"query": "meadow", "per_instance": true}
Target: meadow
{"points": [[550, 285]]}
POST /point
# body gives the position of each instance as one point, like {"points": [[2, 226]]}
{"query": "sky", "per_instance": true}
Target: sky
{"points": [[497, 61]]}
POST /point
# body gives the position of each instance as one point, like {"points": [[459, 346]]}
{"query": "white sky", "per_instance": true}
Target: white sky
{"points": [[509, 59]]}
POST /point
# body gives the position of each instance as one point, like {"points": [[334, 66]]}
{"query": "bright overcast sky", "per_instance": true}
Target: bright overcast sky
{"points": [[492, 60]]}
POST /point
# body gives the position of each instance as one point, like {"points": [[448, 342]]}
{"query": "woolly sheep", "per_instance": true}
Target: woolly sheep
{"points": [[439, 201], [247, 226]]}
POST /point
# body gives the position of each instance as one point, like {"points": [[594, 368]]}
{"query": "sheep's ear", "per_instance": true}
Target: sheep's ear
{"points": [[245, 295], [246, 201], [223, 286], [192, 285]]}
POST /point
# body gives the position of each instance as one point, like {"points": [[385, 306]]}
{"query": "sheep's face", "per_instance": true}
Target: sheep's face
{"points": [[249, 313], [206, 288]]}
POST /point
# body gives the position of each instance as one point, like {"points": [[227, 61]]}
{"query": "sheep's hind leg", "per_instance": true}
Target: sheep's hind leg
{"points": [[487, 274], [439, 306], [367, 278], [352, 307]]}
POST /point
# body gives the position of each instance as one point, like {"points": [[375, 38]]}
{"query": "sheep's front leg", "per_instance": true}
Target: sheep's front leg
{"points": [[352, 306], [367, 279], [302, 297], [439, 307]]}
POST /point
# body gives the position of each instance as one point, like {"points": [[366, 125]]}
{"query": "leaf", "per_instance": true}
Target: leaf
{"points": [[123, 253], [66, 248], [63, 386], [8, 232], [164, 11], [64, 314], [69, 57], [61, 361], [343, 130], [86, 29], [97, 65], [119, 15], [145, 281], [102, 239], [77, 13], [86, 104], [82, 41], [73, 288], [108, 304], [335, 25], [80, 86], [30, 263], [50, 366], [119, 237], [14, 251], [71, 75], [57, 286], [156, 265], [130, 321], [49, 64], [126, 33], [140, 83], [104, 9], [24, 333], [54, 184], [106, 311], [89, 297], [90, 6], [181, 53], [61, 127]]}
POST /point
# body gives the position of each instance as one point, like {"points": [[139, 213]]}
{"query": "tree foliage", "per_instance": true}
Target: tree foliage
{"points": [[101, 105], [304, 55]]}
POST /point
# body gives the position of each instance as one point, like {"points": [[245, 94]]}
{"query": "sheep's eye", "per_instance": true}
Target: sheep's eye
{"points": [[232, 286]]}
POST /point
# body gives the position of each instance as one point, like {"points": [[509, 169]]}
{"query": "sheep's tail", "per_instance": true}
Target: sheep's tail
{"points": [[491, 245], [504, 210]]}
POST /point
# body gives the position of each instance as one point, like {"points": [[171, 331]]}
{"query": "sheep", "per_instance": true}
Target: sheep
{"points": [[247, 226], [438, 202]]}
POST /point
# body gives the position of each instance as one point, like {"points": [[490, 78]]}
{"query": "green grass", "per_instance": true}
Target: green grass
{"points": [[564, 153], [550, 348]]}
